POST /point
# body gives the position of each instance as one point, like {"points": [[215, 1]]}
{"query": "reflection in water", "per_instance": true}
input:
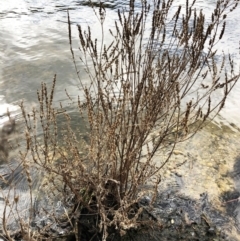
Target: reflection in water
{"points": [[5, 108]]}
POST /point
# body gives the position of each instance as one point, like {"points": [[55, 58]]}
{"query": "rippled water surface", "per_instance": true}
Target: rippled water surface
{"points": [[34, 46]]}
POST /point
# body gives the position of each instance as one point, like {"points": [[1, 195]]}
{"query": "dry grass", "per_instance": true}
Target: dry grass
{"points": [[160, 80]]}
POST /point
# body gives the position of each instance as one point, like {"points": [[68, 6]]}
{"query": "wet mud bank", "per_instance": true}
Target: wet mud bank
{"points": [[171, 217]]}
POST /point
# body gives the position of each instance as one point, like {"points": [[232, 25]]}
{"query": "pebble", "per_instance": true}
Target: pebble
{"points": [[177, 152]]}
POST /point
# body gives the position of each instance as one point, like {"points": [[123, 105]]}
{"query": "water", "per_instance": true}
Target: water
{"points": [[34, 46]]}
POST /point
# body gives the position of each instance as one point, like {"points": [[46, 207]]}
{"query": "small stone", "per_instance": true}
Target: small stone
{"points": [[209, 164], [177, 152], [145, 200], [211, 230]]}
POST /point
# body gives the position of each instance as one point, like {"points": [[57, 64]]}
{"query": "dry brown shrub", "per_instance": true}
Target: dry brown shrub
{"points": [[157, 79]]}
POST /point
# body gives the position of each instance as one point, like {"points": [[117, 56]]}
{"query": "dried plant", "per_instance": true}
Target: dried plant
{"points": [[152, 86]]}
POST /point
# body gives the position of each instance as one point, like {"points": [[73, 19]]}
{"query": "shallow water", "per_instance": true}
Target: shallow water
{"points": [[207, 164]]}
